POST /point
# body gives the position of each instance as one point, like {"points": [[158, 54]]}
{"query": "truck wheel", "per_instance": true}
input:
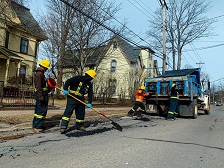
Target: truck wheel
{"points": [[207, 112], [195, 115]]}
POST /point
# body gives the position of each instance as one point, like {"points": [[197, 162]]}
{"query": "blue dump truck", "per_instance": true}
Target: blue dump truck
{"points": [[193, 94]]}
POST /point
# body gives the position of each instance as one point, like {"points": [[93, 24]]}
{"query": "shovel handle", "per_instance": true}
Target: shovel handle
{"points": [[114, 123], [72, 96], [84, 103]]}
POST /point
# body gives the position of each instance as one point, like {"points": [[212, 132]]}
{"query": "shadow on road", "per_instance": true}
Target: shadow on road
{"points": [[87, 133]]}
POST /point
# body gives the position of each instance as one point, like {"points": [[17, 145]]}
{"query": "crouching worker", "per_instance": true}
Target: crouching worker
{"points": [[174, 108], [41, 96], [78, 86], [139, 97]]}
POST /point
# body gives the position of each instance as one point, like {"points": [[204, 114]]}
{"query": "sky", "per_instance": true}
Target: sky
{"points": [[137, 13]]}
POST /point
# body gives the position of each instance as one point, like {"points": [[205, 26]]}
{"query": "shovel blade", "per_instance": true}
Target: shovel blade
{"points": [[118, 127]]}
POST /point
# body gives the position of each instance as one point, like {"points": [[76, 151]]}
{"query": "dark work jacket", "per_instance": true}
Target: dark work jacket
{"points": [[174, 93], [40, 82], [81, 84]]}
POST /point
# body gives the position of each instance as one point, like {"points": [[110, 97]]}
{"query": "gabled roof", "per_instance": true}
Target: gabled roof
{"points": [[131, 53], [28, 23], [96, 53], [96, 56]]}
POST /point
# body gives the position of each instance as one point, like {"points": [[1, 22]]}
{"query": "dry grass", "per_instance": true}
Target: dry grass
{"points": [[25, 118], [60, 102]]}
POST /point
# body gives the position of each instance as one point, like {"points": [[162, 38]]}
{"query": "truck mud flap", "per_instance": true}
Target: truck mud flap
{"points": [[189, 110]]}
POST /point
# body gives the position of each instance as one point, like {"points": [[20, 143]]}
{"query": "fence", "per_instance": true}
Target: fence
{"points": [[115, 99], [15, 97], [11, 96]]}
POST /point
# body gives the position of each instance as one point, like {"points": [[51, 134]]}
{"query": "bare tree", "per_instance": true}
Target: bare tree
{"points": [[70, 28], [185, 22]]}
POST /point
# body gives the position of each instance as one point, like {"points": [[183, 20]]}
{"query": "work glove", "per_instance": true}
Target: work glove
{"points": [[89, 105], [65, 92]]}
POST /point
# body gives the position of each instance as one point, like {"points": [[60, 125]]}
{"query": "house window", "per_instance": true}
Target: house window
{"points": [[113, 65], [113, 85], [22, 71], [24, 45], [36, 49], [150, 56], [7, 40]]}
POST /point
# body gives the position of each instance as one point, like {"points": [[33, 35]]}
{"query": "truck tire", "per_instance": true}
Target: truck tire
{"points": [[207, 112], [195, 112]]}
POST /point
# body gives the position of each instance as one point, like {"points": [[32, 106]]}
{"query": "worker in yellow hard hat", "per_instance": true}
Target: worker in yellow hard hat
{"points": [[174, 108], [41, 96], [139, 97], [78, 86]]}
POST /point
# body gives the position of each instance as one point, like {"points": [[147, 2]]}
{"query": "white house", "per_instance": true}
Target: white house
{"points": [[120, 68]]}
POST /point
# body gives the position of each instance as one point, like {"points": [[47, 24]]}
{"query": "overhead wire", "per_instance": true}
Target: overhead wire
{"points": [[142, 6], [139, 9], [108, 28], [195, 52], [202, 48]]}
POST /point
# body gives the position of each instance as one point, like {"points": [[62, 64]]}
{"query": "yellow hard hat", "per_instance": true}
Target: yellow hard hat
{"points": [[45, 63], [173, 84], [91, 73], [142, 87]]}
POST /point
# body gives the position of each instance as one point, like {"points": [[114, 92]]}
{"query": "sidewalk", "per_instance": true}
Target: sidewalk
{"points": [[8, 111]]}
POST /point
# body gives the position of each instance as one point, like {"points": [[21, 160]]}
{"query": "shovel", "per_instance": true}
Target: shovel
{"points": [[51, 83]]}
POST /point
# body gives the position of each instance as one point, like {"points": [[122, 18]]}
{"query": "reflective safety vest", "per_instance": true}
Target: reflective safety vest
{"points": [[139, 96], [77, 91], [174, 94]]}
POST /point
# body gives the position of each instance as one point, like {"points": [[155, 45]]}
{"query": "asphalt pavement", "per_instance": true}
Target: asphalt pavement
{"points": [[53, 125]]}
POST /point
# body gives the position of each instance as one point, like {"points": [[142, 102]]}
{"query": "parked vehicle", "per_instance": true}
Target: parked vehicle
{"points": [[218, 104], [192, 93]]}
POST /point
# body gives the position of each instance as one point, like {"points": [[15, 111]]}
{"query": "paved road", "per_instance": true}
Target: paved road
{"points": [[144, 143]]}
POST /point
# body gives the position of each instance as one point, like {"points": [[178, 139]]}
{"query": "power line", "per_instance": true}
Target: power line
{"points": [[122, 24], [101, 24], [196, 53], [206, 47], [139, 9], [217, 80], [144, 8]]}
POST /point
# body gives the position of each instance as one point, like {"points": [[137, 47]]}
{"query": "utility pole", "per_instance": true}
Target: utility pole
{"points": [[164, 8]]}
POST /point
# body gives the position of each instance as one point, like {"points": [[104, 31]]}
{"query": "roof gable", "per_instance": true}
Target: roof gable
{"points": [[28, 23], [131, 53]]}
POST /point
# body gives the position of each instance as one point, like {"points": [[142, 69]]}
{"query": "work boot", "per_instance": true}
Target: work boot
{"points": [[38, 130], [81, 128], [63, 130], [130, 113], [170, 119]]}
